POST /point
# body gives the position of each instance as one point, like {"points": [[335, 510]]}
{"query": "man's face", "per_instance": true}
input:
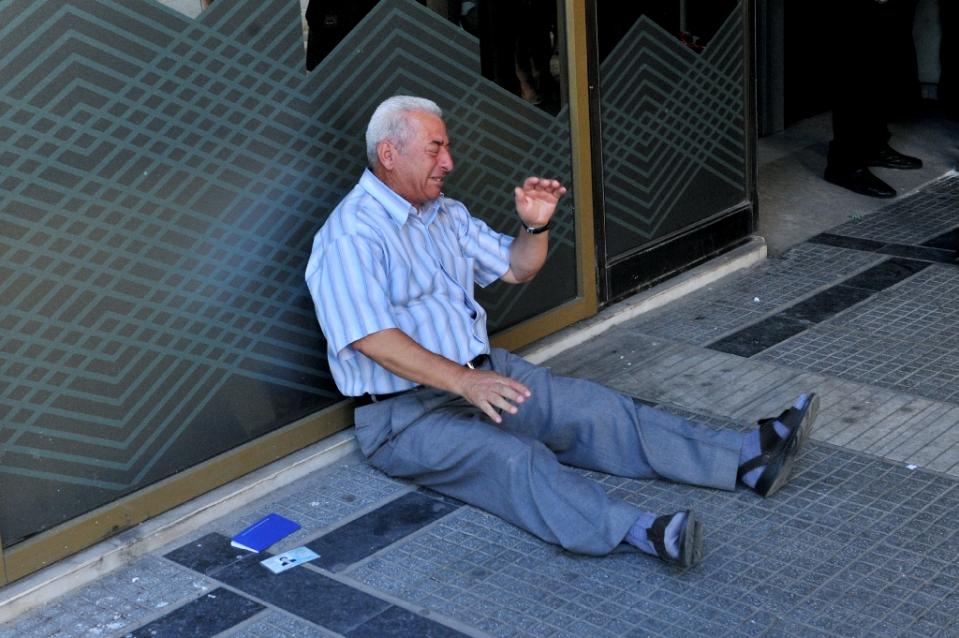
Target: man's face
{"points": [[417, 171]]}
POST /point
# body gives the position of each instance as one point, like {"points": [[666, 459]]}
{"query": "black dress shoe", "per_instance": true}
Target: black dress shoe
{"points": [[888, 157], [860, 180]]}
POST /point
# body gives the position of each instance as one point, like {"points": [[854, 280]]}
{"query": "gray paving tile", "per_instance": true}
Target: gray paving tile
{"points": [[112, 605], [903, 338], [328, 497], [274, 624], [618, 350], [859, 415], [848, 536], [745, 298], [910, 220]]}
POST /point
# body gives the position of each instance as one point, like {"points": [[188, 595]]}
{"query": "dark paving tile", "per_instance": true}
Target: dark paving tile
{"points": [[946, 241], [923, 253], [380, 528], [842, 241], [449, 500], [941, 249], [300, 591], [397, 622], [210, 554], [759, 336], [826, 304], [215, 612], [886, 274]]}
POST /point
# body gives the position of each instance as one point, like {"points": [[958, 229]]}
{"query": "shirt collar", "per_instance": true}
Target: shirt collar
{"points": [[397, 207]]}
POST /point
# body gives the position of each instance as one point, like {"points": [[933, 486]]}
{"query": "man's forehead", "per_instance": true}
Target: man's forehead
{"points": [[431, 126]]}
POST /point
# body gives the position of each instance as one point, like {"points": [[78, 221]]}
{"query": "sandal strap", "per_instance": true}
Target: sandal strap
{"points": [[770, 442], [752, 464], [768, 436], [657, 536]]}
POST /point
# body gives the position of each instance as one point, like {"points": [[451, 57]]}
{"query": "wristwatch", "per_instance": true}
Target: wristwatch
{"points": [[536, 231]]}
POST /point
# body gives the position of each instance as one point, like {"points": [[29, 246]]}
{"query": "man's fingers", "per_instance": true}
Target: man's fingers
{"points": [[492, 393], [503, 403], [511, 389], [490, 412], [516, 391], [552, 186]]}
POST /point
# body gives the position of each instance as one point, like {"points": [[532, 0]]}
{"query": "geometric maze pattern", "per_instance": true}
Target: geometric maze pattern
{"points": [[161, 179], [673, 127]]}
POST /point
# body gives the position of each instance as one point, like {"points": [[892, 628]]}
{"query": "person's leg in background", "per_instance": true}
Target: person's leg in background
{"points": [[865, 39], [949, 58]]}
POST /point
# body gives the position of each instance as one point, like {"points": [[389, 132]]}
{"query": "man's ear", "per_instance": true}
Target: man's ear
{"points": [[386, 154]]}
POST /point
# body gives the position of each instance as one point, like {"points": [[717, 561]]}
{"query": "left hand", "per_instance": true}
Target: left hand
{"points": [[536, 200]]}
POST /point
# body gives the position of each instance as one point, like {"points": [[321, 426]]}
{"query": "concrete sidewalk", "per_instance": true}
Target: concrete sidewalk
{"points": [[863, 542]]}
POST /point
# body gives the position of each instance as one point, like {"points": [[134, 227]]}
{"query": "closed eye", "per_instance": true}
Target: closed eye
{"points": [[434, 146]]}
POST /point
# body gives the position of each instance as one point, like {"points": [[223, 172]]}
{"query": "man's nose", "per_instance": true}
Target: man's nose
{"points": [[446, 159]]}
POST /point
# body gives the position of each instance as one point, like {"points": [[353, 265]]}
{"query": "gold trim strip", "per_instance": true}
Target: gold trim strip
{"points": [[586, 303], [3, 568], [577, 61], [79, 533]]}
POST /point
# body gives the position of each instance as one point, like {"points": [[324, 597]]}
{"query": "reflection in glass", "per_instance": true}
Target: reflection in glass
{"points": [[671, 118], [693, 22], [518, 47], [191, 8], [519, 39], [328, 22]]}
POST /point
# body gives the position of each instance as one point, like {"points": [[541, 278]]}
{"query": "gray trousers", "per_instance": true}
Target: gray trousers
{"points": [[516, 470]]}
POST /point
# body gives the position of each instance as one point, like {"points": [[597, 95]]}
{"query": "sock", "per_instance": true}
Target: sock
{"points": [[636, 536], [751, 446]]}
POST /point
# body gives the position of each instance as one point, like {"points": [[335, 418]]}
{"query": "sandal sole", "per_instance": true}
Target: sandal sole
{"points": [[694, 544]]}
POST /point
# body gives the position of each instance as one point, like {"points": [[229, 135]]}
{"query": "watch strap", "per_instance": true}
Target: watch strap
{"points": [[535, 231]]}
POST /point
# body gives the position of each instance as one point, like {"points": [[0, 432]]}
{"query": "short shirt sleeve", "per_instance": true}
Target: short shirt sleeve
{"points": [[349, 285], [488, 248]]}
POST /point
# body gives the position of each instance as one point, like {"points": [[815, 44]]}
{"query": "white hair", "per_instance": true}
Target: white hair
{"points": [[390, 122]]}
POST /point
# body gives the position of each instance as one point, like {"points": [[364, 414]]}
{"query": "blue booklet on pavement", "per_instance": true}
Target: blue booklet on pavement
{"points": [[264, 533]]}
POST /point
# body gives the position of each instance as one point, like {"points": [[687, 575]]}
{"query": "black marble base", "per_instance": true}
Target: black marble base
{"points": [[299, 591], [941, 249], [304, 592], [759, 336], [382, 527], [207, 616], [823, 305], [886, 274]]}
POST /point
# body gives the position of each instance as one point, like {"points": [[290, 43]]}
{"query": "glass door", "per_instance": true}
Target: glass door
{"points": [[674, 168]]}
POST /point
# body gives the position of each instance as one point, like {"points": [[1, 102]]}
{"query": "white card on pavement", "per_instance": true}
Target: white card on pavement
{"points": [[288, 560]]}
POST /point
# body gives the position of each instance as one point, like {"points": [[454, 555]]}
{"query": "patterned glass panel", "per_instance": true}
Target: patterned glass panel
{"points": [[672, 116], [161, 177]]}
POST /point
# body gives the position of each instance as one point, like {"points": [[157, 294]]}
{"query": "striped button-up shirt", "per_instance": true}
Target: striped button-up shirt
{"points": [[378, 263]]}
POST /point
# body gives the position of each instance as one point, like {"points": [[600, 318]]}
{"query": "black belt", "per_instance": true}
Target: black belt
{"points": [[366, 399]]}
